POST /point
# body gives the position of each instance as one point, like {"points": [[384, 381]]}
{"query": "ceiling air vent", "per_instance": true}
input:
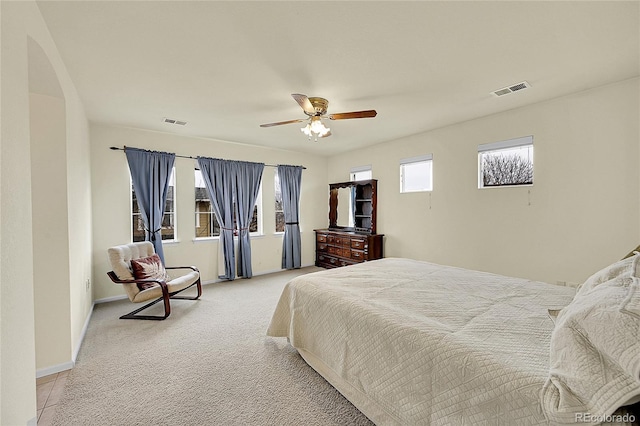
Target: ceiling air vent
{"points": [[173, 121], [511, 89]]}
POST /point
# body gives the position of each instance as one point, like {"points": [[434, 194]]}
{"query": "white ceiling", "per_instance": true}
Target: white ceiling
{"points": [[227, 67]]}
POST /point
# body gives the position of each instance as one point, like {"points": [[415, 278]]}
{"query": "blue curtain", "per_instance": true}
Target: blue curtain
{"points": [[219, 178], [290, 183], [248, 177], [150, 173]]}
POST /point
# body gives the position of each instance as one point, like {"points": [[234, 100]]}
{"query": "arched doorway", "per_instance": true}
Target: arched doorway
{"points": [[51, 276]]}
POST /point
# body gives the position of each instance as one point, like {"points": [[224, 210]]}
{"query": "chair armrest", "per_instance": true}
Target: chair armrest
{"points": [[193, 268], [117, 280]]}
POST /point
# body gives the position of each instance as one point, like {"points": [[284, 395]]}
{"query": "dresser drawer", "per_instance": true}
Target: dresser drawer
{"points": [[324, 261], [357, 255], [339, 251], [335, 249], [343, 262], [358, 243]]}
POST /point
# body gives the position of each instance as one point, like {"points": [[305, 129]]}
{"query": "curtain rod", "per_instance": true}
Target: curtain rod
{"points": [[115, 148]]}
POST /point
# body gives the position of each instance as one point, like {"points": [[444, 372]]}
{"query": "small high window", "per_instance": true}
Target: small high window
{"points": [[360, 173], [416, 174], [506, 163]]}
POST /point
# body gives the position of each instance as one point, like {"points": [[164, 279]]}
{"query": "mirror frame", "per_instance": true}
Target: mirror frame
{"points": [[333, 205]]}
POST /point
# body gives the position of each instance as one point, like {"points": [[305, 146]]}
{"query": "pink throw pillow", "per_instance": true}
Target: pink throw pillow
{"points": [[148, 268]]}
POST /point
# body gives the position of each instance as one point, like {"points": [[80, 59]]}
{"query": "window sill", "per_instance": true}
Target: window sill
{"points": [[525, 185], [204, 239], [417, 191], [167, 242], [235, 237]]}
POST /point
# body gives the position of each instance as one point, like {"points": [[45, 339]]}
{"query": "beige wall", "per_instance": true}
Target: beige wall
{"points": [[50, 230], [112, 211], [580, 214], [78, 163], [22, 25]]}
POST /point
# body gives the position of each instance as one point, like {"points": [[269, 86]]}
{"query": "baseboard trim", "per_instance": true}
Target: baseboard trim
{"points": [[82, 334], [69, 364], [109, 299], [47, 371]]}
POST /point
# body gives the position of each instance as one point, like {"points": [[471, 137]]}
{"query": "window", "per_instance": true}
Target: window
{"points": [[416, 174], [279, 206], [255, 227], [506, 163], [168, 220], [361, 173], [206, 222], [207, 225]]}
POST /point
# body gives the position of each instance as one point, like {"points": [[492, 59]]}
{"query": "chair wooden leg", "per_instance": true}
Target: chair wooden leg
{"points": [[198, 286], [167, 306], [167, 311]]}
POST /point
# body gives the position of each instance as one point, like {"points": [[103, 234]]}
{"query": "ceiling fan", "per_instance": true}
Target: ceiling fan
{"points": [[316, 109]]}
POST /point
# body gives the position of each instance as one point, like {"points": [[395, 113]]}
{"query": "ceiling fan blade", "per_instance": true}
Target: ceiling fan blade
{"points": [[300, 120], [304, 102], [325, 136], [355, 114]]}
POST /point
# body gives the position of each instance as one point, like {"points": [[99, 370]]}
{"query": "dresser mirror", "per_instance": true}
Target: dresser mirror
{"points": [[352, 206], [344, 213]]}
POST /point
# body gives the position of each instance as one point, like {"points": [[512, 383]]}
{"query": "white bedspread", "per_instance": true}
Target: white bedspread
{"points": [[417, 343]]}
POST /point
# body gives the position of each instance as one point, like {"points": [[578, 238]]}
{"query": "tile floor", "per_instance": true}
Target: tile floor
{"points": [[49, 391]]}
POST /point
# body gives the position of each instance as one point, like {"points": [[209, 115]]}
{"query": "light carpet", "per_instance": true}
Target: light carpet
{"points": [[209, 363]]}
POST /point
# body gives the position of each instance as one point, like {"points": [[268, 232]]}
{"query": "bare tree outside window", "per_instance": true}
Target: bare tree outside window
{"points": [[498, 170], [506, 163]]}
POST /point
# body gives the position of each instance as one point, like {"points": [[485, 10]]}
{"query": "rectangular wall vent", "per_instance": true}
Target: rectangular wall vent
{"points": [[511, 89], [173, 121]]}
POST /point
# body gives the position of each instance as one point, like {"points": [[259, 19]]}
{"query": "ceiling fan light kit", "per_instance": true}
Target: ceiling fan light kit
{"points": [[316, 127], [316, 109]]}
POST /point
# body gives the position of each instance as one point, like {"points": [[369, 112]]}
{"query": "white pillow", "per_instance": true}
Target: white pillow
{"points": [[625, 267], [595, 351]]}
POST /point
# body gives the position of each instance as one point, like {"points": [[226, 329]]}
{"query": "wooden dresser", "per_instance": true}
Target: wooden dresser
{"points": [[342, 248], [351, 236]]}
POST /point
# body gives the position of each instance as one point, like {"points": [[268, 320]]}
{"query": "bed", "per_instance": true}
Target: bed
{"points": [[411, 342]]}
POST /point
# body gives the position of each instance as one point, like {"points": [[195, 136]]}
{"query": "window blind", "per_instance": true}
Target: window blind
{"points": [[426, 157], [509, 143]]}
